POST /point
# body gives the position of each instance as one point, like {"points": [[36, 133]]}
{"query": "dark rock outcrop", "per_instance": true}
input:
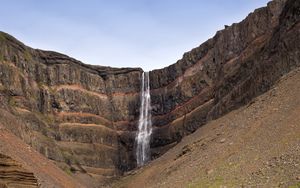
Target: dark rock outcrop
{"points": [[85, 116], [12, 174]]}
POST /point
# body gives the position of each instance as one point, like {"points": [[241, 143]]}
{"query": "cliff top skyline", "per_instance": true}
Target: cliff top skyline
{"points": [[147, 34]]}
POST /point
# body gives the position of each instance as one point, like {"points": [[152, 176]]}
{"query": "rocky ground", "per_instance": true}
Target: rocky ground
{"points": [[257, 145]]}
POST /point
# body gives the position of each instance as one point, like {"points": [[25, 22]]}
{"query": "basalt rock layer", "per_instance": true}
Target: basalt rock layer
{"points": [[227, 71], [72, 113], [84, 117]]}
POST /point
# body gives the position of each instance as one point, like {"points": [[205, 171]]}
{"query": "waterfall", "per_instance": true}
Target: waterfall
{"points": [[145, 125]]}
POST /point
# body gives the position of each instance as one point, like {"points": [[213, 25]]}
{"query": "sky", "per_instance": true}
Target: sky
{"points": [[150, 34]]}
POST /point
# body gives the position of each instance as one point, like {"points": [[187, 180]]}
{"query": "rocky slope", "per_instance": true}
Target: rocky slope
{"points": [[84, 117]]}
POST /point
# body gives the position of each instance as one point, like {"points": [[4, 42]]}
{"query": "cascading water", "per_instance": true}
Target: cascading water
{"points": [[145, 125]]}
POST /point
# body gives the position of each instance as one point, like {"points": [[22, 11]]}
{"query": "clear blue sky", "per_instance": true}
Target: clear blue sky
{"points": [[121, 33]]}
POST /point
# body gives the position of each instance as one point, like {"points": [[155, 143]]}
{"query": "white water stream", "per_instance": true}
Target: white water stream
{"points": [[145, 125]]}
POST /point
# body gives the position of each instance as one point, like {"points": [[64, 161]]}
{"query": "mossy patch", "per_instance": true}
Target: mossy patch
{"points": [[27, 55], [2, 37], [1, 56], [68, 156], [295, 186], [216, 182], [2, 88], [48, 119], [12, 101], [68, 171]]}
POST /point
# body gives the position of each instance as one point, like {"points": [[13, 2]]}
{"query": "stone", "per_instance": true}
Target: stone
{"points": [[210, 171]]}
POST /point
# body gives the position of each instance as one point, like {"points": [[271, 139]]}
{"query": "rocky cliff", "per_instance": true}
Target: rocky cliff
{"points": [[73, 113], [13, 175], [84, 117], [227, 71]]}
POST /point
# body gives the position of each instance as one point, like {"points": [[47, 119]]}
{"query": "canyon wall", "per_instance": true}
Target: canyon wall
{"points": [[78, 115], [227, 71], [84, 117]]}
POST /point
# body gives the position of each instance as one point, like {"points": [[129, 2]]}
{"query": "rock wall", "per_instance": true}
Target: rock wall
{"points": [[12, 174], [84, 117], [227, 71], [72, 113]]}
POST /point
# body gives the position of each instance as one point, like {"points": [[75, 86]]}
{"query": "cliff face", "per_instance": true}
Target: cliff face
{"points": [[237, 64], [72, 113], [84, 117]]}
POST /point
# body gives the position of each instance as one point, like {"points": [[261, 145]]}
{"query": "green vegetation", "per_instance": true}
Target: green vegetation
{"points": [[2, 88], [48, 120], [12, 101], [217, 182], [68, 157], [68, 171], [27, 55], [33, 97], [1, 56], [295, 186], [2, 36]]}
